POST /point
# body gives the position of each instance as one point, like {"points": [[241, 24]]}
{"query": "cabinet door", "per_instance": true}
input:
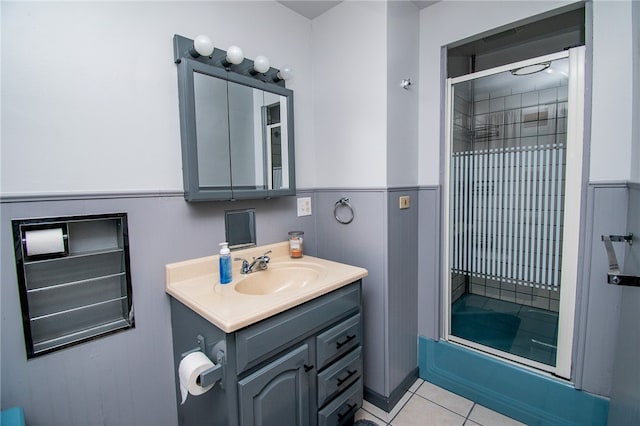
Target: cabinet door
{"points": [[278, 393]]}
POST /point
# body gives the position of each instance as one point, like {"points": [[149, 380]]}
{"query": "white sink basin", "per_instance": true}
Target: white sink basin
{"points": [[280, 277]]}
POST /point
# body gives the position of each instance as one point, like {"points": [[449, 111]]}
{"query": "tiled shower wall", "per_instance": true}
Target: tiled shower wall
{"points": [[505, 119]]}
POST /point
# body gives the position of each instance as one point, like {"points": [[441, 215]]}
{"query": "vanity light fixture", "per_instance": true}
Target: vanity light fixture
{"points": [[202, 50], [285, 73], [234, 56], [202, 46], [260, 65]]}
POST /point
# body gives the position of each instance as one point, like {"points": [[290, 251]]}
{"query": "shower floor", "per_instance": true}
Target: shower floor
{"points": [[517, 329]]}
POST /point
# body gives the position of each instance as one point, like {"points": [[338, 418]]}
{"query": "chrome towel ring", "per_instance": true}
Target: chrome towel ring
{"points": [[343, 204]]}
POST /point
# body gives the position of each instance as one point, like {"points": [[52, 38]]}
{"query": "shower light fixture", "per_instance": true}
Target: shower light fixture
{"points": [[202, 46], [531, 69]]}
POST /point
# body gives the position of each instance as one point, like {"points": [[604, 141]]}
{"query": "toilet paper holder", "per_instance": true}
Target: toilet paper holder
{"points": [[28, 227], [216, 373]]}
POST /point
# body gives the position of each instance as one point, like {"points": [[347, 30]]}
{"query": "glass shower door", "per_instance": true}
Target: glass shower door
{"points": [[508, 205]]}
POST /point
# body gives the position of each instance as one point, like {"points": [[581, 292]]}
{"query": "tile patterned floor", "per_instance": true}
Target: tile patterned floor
{"points": [[425, 404]]}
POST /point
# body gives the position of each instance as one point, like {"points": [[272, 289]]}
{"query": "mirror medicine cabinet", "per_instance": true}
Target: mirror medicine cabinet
{"points": [[236, 128]]}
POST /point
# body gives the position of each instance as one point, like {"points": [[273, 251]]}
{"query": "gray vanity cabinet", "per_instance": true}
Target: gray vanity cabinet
{"points": [[300, 367], [278, 393]]}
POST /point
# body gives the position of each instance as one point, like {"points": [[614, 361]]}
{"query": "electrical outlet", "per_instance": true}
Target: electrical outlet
{"points": [[304, 206], [405, 202]]}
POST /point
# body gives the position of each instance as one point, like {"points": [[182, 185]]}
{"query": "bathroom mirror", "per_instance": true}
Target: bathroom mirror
{"points": [[236, 132]]}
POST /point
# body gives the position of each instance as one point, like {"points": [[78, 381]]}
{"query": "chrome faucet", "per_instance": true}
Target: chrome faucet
{"points": [[259, 263]]}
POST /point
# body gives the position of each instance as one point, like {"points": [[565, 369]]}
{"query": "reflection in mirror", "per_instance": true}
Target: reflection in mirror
{"points": [[276, 131], [212, 131], [246, 136]]}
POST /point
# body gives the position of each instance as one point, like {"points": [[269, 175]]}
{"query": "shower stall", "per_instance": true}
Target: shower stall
{"points": [[513, 187]]}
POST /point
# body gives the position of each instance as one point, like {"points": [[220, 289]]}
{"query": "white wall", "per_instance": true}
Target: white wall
{"points": [[349, 48], [402, 105], [635, 157], [444, 23], [612, 105], [89, 89]]}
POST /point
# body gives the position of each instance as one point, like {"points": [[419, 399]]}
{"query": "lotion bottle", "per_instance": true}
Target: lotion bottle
{"points": [[224, 265]]}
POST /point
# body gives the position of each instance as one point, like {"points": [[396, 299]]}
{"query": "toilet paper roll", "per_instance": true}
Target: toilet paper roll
{"points": [[188, 371], [44, 241]]}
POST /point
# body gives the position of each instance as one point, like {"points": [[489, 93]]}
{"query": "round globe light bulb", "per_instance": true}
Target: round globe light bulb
{"points": [[285, 73], [261, 64], [235, 55], [203, 45]]}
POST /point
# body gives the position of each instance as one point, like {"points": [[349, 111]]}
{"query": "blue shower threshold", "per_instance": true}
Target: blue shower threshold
{"points": [[522, 394]]}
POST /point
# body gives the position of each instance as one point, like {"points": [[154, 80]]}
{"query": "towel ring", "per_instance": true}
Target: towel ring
{"points": [[343, 202]]}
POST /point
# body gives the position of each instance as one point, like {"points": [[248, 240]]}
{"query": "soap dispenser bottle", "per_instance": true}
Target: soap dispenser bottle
{"points": [[224, 266]]}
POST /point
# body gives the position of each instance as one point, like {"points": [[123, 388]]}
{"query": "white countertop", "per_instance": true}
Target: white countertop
{"points": [[196, 284]]}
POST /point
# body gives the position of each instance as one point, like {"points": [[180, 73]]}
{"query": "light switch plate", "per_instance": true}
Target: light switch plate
{"points": [[405, 202], [304, 206]]}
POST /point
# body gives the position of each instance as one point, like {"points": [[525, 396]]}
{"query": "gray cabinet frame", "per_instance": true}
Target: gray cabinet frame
{"points": [[187, 65]]}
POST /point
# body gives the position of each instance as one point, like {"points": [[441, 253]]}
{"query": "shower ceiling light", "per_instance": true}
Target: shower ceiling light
{"points": [[531, 69]]}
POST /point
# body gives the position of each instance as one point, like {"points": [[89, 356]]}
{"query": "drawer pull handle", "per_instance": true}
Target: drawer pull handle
{"points": [[347, 340], [350, 374], [348, 412], [307, 368]]}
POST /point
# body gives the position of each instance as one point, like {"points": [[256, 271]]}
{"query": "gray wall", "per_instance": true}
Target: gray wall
{"points": [[361, 243], [402, 287], [126, 378], [384, 240], [429, 246], [597, 303], [625, 394]]}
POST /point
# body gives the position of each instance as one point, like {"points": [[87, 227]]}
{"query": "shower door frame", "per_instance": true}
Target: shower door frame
{"points": [[574, 188]]}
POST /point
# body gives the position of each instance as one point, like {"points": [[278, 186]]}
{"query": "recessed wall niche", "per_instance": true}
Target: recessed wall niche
{"points": [[74, 279]]}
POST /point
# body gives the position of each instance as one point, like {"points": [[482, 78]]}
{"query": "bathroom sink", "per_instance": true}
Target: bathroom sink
{"points": [[281, 277]]}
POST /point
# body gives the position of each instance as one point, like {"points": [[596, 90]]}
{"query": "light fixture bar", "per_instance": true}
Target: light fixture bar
{"points": [[232, 60]]}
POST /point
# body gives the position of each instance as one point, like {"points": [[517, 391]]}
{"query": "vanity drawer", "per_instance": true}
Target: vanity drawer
{"points": [[342, 409], [339, 376], [338, 340], [258, 342]]}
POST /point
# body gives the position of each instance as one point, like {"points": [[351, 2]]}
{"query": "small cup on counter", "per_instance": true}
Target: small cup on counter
{"points": [[295, 244]]}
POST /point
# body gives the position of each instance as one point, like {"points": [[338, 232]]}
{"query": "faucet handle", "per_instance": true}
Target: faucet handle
{"points": [[263, 257], [263, 261], [245, 264]]}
